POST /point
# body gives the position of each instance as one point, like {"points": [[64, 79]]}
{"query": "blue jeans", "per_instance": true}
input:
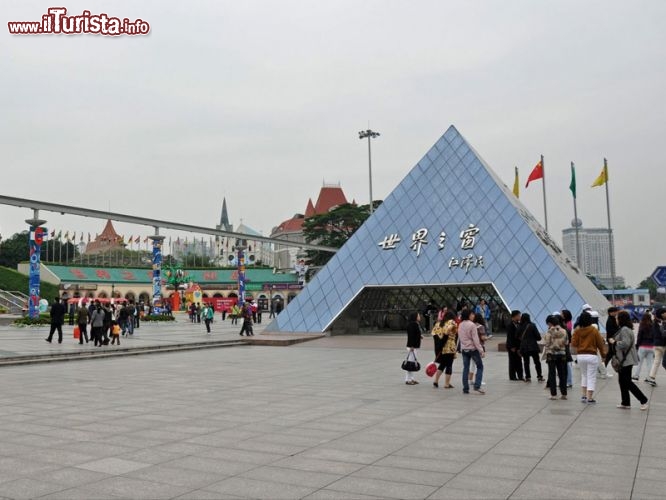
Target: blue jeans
{"points": [[467, 356]]}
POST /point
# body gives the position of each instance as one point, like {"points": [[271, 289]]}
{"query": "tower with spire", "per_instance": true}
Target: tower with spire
{"points": [[221, 243]]}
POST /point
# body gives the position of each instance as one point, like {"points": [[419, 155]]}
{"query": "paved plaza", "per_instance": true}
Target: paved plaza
{"points": [[327, 419]]}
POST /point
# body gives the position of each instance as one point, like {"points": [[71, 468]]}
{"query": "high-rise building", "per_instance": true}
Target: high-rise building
{"points": [[594, 251]]}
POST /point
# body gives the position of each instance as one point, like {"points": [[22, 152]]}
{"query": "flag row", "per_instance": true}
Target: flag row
{"points": [[538, 173]]}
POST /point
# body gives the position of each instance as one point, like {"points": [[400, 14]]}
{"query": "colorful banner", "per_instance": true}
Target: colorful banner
{"points": [[37, 235], [157, 271], [241, 277]]}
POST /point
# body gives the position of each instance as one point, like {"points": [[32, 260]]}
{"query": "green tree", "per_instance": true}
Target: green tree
{"points": [[333, 229], [650, 285], [14, 250]]}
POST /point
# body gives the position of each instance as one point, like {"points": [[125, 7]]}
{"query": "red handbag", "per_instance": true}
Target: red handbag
{"points": [[431, 369]]}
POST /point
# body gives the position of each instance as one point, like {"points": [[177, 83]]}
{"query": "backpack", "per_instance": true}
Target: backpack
{"points": [[558, 338]]}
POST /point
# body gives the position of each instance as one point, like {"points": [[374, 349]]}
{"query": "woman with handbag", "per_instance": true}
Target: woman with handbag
{"points": [[445, 335], [587, 341], [413, 343], [555, 343], [625, 358]]}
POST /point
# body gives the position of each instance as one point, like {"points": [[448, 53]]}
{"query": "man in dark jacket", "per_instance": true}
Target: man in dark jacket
{"points": [[611, 329], [659, 341], [513, 347], [57, 319]]}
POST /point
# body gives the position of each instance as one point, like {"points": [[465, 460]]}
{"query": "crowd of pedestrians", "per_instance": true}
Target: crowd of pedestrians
{"points": [[465, 332], [107, 321]]}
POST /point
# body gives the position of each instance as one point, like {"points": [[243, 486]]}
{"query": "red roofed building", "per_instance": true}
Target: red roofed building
{"points": [[330, 196], [106, 241]]}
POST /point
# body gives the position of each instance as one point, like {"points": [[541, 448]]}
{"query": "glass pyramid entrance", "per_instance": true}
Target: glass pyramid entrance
{"points": [[451, 228]]}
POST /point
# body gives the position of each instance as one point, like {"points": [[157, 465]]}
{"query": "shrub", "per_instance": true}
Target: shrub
{"points": [[157, 317], [42, 319]]}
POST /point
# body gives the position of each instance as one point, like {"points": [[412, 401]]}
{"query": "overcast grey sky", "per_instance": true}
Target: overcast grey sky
{"points": [[260, 101]]}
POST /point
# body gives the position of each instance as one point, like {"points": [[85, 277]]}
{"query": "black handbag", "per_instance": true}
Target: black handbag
{"points": [[411, 365]]}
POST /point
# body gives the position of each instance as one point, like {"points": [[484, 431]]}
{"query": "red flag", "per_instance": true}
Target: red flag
{"points": [[537, 173]]}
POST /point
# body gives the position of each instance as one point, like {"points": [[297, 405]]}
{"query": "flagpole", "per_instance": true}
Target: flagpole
{"points": [[610, 235], [573, 177], [543, 185]]}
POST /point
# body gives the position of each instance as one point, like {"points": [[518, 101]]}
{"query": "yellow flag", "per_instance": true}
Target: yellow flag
{"points": [[516, 185], [602, 179]]}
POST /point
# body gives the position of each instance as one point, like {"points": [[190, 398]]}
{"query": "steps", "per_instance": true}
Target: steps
{"points": [[105, 352]]}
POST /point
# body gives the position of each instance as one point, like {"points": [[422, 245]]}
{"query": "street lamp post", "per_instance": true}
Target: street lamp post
{"points": [[370, 135]]}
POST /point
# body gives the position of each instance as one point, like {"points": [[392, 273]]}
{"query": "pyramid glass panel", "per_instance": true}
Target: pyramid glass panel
{"points": [[450, 232]]}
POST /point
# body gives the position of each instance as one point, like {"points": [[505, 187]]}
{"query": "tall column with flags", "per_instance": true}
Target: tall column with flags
{"points": [[539, 172], [601, 180], [572, 187]]}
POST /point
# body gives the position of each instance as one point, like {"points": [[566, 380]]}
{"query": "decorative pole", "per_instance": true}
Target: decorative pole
{"points": [[157, 269], [36, 239], [240, 247]]}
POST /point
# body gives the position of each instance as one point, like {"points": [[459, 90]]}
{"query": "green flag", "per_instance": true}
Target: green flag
{"points": [[572, 185]]}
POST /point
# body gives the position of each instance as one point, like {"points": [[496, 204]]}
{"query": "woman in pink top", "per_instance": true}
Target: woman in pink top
{"points": [[471, 348]]}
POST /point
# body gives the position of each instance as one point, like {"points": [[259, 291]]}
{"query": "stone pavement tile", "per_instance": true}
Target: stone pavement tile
{"points": [[291, 476], [113, 465], [231, 454], [447, 493], [58, 456], [258, 444], [250, 488], [564, 491], [215, 466], [649, 487], [424, 451], [208, 495], [478, 484], [72, 476], [620, 485], [150, 456], [585, 462], [381, 488], [403, 475], [492, 458], [176, 476], [427, 464], [646, 472], [181, 448], [28, 488], [132, 441], [35, 440], [292, 439], [8, 449], [96, 449], [126, 487], [23, 466], [326, 494], [530, 448], [312, 464], [501, 471], [324, 453], [380, 448]]}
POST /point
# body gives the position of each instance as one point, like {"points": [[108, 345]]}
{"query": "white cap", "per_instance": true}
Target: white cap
{"points": [[557, 313], [594, 314], [586, 307]]}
